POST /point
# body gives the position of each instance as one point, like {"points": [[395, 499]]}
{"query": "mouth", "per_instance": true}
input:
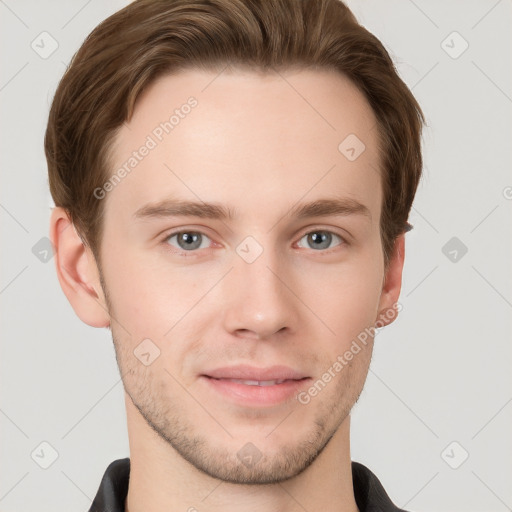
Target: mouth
{"points": [[255, 387], [257, 382]]}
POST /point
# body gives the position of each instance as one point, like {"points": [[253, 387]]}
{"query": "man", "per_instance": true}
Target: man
{"points": [[237, 177]]}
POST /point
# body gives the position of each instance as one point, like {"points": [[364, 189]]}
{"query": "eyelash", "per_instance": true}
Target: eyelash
{"points": [[194, 252]]}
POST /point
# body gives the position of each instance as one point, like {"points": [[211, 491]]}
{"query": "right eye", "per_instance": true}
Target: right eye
{"points": [[187, 241]]}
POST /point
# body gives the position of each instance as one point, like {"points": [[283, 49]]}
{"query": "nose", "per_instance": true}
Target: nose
{"points": [[258, 297]]}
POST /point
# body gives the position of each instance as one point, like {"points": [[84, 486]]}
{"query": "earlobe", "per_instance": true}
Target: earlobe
{"points": [[77, 271], [392, 284]]}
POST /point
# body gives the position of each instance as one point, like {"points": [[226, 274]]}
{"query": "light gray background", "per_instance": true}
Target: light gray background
{"points": [[441, 373]]}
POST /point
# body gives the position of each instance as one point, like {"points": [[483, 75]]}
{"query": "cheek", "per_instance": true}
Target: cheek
{"points": [[345, 297], [137, 295], [152, 299]]}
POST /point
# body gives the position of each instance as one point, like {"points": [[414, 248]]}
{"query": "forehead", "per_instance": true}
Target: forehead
{"points": [[246, 138]]}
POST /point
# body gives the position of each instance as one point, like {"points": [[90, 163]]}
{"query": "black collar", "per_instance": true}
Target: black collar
{"points": [[369, 494]]}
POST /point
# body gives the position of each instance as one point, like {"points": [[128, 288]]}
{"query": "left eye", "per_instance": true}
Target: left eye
{"points": [[188, 240], [321, 239]]}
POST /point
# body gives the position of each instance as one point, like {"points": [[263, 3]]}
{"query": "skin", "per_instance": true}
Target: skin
{"points": [[255, 145]]}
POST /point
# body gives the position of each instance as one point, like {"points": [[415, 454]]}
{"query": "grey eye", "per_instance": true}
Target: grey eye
{"points": [[188, 240], [320, 239]]}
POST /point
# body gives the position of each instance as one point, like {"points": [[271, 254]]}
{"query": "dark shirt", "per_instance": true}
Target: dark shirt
{"points": [[368, 491]]}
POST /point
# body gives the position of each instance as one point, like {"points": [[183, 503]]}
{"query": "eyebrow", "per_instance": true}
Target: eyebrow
{"points": [[318, 208]]}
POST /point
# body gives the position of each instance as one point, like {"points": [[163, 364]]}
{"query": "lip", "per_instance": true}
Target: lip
{"points": [[226, 383], [247, 372]]}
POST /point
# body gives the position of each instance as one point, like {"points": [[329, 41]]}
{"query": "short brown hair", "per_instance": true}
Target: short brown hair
{"points": [[150, 38]]}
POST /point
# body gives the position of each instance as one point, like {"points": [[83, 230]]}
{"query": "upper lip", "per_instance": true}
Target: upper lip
{"points": [[246, 372]]}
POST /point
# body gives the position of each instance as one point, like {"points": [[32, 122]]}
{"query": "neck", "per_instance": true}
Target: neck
{"points": [[161, 480]]}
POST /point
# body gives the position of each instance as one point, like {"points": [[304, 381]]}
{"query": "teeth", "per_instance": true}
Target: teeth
{"points": [[257, 382]]}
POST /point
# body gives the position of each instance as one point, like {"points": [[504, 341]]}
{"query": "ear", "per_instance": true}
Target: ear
{"points": [[77, 271], [392, 284]]}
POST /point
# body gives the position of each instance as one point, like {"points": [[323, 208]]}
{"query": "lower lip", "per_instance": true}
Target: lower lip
{"points": [[256, 395]]}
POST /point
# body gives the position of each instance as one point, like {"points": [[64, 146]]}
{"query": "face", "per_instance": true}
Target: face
{"points": [[227, 315]]}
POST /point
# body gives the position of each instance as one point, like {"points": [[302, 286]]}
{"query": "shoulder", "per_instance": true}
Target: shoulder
{"points": [[113, 488], [369, 493]]}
